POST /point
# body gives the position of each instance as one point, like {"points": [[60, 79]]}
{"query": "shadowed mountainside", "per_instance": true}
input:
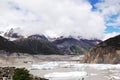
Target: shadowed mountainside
{"points": [[38, 46], [28, 45]]}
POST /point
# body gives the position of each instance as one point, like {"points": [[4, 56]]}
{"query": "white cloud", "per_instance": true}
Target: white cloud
{"points": [[110, 8], [53, 17], [109, 35], [115, 23]]}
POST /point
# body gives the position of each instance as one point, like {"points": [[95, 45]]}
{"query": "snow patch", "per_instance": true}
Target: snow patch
{"points": [[103, 66], [66, 74], [93, 74], [95, 66], [50, 65], [116, 77]]}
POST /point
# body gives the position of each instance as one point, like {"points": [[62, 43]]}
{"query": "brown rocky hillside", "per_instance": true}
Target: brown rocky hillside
{"points": [[107, 52]]}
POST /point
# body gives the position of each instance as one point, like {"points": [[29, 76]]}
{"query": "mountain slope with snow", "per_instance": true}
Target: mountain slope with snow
{"points": [[75, 46]]}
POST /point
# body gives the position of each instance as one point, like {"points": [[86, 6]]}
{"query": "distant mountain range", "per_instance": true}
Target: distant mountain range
{"points": [[39, 44], [74, 46], [107, 51]]}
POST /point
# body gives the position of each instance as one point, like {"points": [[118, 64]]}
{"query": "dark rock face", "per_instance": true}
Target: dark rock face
{"points": [[105, 52], [6, 72], [74, 46], [12, 34]]}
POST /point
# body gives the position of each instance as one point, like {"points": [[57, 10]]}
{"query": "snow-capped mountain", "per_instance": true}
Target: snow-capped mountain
{"points": [[63, 45]]}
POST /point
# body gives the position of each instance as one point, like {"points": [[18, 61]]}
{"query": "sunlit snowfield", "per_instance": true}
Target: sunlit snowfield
{"points": [[65, 70]]}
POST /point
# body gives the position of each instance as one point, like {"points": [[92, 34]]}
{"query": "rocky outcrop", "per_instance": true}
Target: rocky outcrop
{"points": [[105, 52]]}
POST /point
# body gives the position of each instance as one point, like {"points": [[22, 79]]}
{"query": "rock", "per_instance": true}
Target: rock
{"points": [[6, 73], [107, 52]]}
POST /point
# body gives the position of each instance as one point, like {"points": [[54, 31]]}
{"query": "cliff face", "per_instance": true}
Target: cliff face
{"points": [[107, 52]]}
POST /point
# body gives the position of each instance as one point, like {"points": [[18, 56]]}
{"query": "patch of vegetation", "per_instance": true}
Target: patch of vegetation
{"points": [[21, 74]]}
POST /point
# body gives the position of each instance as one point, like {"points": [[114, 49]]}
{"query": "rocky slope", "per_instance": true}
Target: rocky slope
{"points": [[75, 46], [105, 52]]}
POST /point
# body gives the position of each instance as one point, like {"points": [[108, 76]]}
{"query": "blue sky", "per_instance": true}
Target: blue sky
{"points": [[93, 2], [112, 18], [54, 18]]}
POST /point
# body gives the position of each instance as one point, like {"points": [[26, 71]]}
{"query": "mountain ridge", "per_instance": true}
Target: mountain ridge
{"points": [[74, 46], [39, 44]]}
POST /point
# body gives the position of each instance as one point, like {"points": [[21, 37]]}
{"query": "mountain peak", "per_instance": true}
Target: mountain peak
{"points": [[39, 37]]}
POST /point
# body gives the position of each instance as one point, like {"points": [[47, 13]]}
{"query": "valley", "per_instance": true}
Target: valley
{"points": [[57, 67]]}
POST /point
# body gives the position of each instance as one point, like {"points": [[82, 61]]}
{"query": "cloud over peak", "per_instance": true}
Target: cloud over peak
{"points": [[52, 17]]}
